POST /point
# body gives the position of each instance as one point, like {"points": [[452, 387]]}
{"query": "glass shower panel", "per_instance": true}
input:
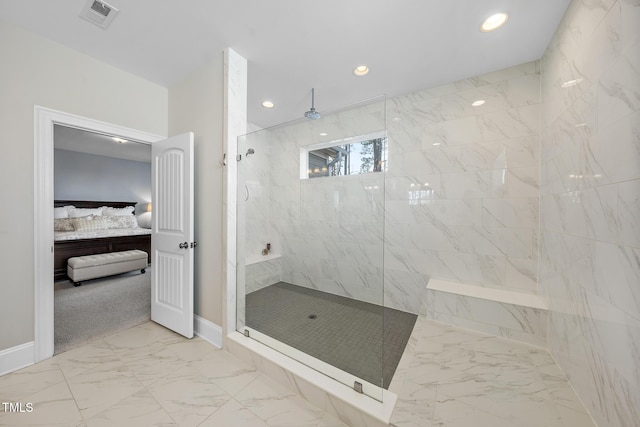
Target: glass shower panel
{"points": [[311, 242]]}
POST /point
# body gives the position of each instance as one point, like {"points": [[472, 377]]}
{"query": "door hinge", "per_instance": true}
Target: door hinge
{"points": [[194, 244], [239, 157]]}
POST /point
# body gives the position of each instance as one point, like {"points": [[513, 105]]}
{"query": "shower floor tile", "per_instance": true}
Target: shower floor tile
{"points": [[363, 339]]}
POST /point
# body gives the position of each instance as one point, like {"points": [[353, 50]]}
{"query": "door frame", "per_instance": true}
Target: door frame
{"points": [[44, 119]]}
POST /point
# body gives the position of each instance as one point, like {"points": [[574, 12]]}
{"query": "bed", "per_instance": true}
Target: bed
{"points": [[86, 241]]}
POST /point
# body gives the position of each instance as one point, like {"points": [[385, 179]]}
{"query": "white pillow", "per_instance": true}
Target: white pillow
{"points": [[120, 221], [144, 220], [62, 212], [80, 212], [109, 211]]}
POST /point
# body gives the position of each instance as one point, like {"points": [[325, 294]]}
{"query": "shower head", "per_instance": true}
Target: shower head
{"points": [[250, 151], [312, 113]]}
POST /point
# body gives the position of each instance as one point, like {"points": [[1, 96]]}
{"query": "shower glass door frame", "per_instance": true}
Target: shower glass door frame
{"points": [[323, 233]]}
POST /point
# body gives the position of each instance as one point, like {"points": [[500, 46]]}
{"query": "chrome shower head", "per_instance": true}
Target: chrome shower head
{"points": [[312, 113]]}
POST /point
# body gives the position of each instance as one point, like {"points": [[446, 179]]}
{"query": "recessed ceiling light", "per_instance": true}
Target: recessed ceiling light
{"points": [[267, 104], [119, 140], [494, 22], [436, 143], [323, 134], [361, 70], [396, 119], [478, 103]]}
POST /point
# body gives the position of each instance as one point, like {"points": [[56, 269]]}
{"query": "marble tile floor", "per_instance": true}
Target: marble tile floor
{"points": [[454, 377], [147, 376]]}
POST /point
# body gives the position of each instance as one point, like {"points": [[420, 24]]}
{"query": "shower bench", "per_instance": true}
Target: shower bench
{"points": [[514, 315]]}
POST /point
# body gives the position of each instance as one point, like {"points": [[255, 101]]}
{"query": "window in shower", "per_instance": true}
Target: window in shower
{"points": [[349, 156]]}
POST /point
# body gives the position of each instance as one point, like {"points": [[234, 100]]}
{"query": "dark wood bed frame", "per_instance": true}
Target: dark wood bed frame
{"points": [[65, 249]]}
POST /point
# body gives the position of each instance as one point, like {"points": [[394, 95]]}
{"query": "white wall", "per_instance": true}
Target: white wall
{"points": [[36, 71], [196, 105], [590, 205]]}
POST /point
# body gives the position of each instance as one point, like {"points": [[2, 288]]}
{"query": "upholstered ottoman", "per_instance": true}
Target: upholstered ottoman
{"points": [[101, 265]]}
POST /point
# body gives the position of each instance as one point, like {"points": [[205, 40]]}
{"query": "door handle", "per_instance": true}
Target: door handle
{"points": [[184, 245]]}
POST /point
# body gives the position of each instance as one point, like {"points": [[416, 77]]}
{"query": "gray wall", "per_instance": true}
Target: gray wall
{"points": [[81, 176]]}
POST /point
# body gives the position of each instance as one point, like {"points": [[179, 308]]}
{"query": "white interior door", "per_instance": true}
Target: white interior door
{"points": [[172, 242]]}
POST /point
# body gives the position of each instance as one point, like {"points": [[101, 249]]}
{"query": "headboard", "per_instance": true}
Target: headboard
{"points": [[91, 204]]}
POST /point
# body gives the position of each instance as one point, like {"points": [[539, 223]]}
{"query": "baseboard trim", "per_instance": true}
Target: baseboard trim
{"points": [[17, 357], [207, 330]]}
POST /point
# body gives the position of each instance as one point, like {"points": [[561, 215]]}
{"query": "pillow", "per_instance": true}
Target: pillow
{"points": [[62, 212], [109, 211], [144, 220], [63, 224], [80, 212], [120, 221], [89, 223]]}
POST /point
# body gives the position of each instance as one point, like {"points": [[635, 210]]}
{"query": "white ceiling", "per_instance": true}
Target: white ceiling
{"points": [[292, 46], [71, 139]]}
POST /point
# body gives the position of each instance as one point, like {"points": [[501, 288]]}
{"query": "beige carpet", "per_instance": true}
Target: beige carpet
{"points": [[99, 307]]}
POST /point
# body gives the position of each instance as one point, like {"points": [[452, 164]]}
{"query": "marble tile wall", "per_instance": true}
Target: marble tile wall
{"points": [[261, 274], [330, 229], [254, 192], [462, 187], [254, 229], [459, 200], [590, 204]]}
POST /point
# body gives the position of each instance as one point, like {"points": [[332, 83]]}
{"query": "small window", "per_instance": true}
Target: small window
{"points": [[350, 156]]}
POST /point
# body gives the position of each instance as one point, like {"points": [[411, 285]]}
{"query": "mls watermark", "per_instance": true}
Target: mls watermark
{"points": [[19, 407]]}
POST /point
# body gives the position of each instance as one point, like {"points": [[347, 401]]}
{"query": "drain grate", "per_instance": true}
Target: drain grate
{"points": [[312, 316]]}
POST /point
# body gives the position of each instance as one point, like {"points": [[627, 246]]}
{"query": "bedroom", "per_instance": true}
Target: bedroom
{"points": [[92, 170]]}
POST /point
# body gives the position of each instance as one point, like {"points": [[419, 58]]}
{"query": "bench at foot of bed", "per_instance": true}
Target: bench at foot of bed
{"points": [[101, 265]]}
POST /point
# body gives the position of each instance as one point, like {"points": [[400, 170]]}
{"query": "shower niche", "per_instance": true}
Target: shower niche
{"points": [[315, 190]]}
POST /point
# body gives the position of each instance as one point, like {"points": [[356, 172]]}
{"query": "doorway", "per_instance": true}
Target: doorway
{"points": [[45, 119], [102, 191]]}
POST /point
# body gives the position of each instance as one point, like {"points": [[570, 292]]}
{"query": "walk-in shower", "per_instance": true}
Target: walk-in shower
{"points": [[310, 273]]}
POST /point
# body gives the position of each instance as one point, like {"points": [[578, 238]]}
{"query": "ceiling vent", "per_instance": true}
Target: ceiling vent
{"points": [[99, 13]]}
